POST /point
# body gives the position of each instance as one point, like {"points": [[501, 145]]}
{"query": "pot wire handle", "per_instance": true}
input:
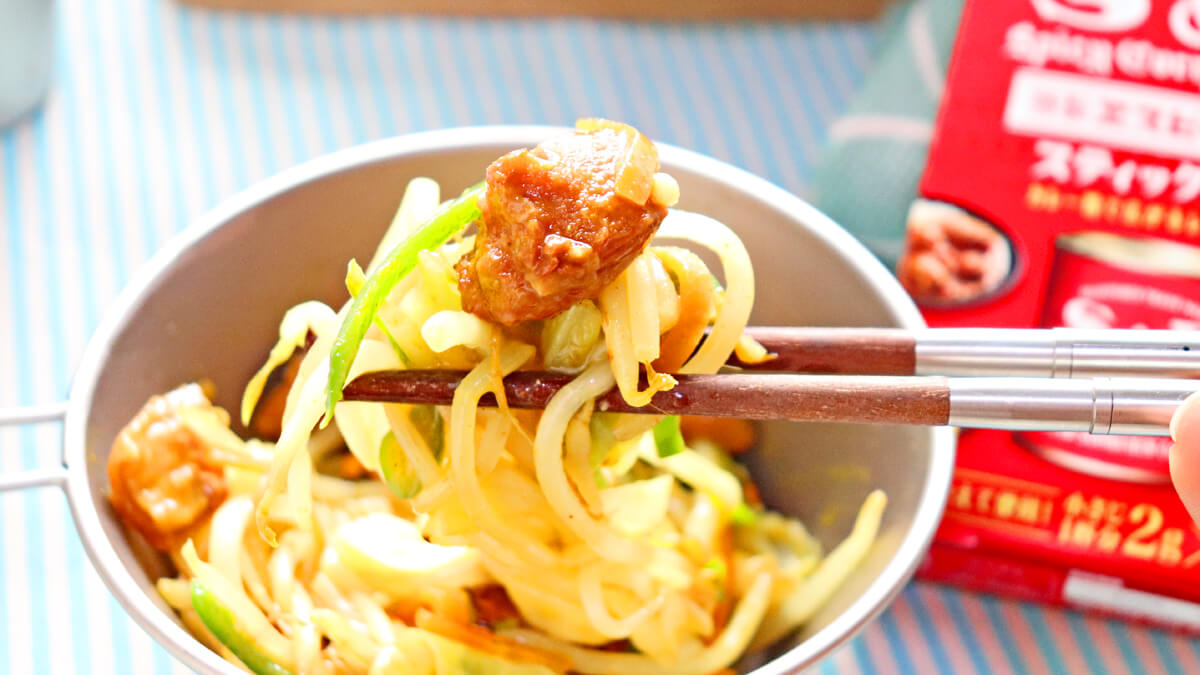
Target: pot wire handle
{"points": [[34, 414]]}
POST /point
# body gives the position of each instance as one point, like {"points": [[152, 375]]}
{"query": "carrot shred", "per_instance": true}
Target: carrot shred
{"points": [[724, 606], [750, 492], [405, 610], [488, 642], [349, 468], [731, 434], [697, 304]]}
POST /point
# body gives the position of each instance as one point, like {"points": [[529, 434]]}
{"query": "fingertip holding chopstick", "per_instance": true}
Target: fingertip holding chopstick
{"points": [[1102, 382]]}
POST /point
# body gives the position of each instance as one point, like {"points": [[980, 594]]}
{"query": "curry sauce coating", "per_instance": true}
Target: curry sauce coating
{"points": [[559, 223]]}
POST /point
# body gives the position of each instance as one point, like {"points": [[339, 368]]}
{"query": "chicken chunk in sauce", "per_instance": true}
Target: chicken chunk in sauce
{"points": [[162, 475], [562, 221]]}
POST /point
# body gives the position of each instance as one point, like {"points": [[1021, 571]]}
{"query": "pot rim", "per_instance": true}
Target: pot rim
{"points": [[194, 654]]}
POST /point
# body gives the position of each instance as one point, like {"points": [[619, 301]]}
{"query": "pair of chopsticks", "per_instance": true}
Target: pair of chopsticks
{"points": [[1100, 381]]}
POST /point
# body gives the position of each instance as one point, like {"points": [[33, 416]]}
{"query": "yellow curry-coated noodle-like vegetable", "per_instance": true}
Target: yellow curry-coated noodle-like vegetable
{"points": [[451, 218]]}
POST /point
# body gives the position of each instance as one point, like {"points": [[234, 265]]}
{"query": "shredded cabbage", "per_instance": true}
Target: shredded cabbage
{"points": [[701, 473], [636, 508], [451, 218], [389, 554], [447, 329], [293, 332], [364, 425], [569, 337]]}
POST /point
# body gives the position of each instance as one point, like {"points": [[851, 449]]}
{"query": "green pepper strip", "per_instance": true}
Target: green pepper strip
{"points": [[355, 278], [428, 422], [668, 439], [449, 219], [219, 621], [603, 441], [743, 515], [397, 471]]}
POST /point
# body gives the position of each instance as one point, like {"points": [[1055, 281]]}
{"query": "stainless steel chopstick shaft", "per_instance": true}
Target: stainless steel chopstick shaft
{"points": [[1057, 353], [1132, 407]]}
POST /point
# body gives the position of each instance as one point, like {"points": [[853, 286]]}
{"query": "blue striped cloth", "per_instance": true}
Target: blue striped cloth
{"points": [[158, 112]]}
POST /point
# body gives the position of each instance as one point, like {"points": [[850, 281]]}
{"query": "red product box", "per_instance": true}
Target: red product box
{"points": [[1063, 189]]}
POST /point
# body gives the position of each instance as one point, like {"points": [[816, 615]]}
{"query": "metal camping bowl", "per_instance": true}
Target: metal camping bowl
{"points": [[209, 306]]}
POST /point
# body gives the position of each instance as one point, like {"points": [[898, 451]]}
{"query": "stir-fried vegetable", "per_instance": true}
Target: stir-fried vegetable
{"points": [[668, 439], [701, 473], [600, 427], [397, 471], [219, 621], [635, 508], [450, 218], [293, 333], [394, 463], [448, 329], [743, 514], [390, 553], [355, 280], [471, 650], [419, 203], [428, 422], [569, 337]]}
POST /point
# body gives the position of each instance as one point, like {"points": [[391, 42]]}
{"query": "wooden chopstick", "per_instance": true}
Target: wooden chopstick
{"points": [[1005, 378], [859, 351], [1132, 406], [808, 398]]}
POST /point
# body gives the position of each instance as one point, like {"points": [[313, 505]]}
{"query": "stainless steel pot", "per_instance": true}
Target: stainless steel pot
{"points": [[210, 303]]}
